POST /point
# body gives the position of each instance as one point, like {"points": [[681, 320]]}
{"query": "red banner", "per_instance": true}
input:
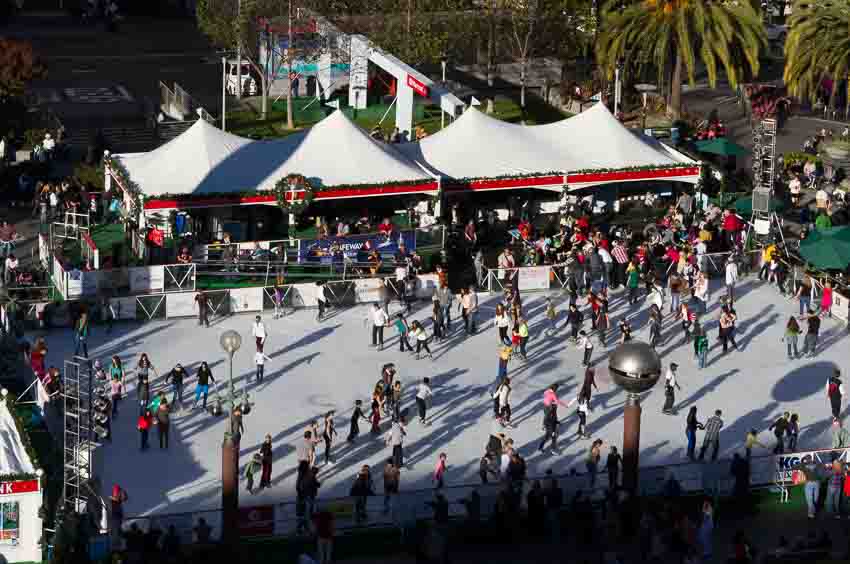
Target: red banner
{"points": [[156, 237], [256, 521], [24, 486], [417, 86]]}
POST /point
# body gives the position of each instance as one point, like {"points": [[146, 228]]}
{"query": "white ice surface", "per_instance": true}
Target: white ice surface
{"points": [[317, 367]]}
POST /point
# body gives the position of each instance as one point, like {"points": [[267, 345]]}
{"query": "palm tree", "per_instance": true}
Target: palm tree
{"points": [[818, 46], [670, 35]]}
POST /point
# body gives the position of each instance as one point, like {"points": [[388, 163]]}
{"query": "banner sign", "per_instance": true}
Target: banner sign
{"points": [[534, 278], [356, 247], [24, 486], [147, 279], [246, 299], [180, 305], [418, 86], [783, 464], [368, 290], [256, 521]]}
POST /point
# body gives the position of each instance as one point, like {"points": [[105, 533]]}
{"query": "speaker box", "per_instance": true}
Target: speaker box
{"points": [[761, 200]]}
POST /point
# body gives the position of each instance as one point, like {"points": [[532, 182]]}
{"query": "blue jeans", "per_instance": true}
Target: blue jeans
{"points": [[692, 441], [791, 341], [447, 316], [202, 389], [701, 357], [804, 304], [177, 394], [674, 302], [833, 499], [812, 491]]}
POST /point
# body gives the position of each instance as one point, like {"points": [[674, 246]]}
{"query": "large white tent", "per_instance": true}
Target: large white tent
{"points": [[204, 160], [479, 146], [13, 456]]}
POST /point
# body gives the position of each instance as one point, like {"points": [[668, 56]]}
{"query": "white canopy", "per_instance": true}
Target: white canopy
{"points": [[479, 146], [13, 457], [204, 159]]}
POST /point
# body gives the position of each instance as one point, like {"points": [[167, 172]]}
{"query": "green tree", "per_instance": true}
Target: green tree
{"points": [[671, 35], [18, 66], [245, 26], [818, 46]]}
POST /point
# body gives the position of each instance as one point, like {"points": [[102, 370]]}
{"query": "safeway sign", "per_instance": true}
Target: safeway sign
{"points": [[23, 486], [418, 86]]}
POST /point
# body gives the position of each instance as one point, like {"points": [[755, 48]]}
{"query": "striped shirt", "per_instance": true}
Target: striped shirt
{"points": [[712, 428], [620, 255]]}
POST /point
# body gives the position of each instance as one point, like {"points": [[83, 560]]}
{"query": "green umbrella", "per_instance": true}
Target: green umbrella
{"points": [[827, 248], [721, 146], [744, 206]]}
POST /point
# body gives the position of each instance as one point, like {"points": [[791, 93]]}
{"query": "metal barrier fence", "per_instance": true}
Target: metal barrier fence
{"points": [[404, 509]]}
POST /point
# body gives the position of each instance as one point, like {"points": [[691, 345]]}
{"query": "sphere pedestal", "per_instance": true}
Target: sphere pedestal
{"points": [[230, 491], [631, 443]]}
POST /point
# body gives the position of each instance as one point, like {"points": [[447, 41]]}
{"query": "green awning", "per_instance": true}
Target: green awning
{"points": [[721, 146], [827, 248]]}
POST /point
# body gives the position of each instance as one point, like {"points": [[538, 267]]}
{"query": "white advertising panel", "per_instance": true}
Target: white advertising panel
{"points": [[534, 278], [368, 290], [181, 305], [246, 299], [147, 279], [123, 308]]}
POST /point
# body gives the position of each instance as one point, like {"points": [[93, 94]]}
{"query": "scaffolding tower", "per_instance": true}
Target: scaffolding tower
{"points": [[79, 438], [764, 220]]}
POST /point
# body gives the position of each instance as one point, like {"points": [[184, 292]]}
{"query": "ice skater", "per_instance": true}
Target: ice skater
{"points": [[582, 409], [503, 397], [423, 398], [258, 330], [202, 386], [586, 345], [440, 471], [260, 360], [254, 466], [354, 425], [422, 338], [670, 387], [266, 452], [625, 330], [328, 436], [321, 299]]}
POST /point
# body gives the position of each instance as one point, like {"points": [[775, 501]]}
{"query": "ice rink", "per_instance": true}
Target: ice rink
{"points": [[316, 367]]}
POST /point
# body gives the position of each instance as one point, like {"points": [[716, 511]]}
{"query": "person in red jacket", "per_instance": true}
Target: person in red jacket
{"points": [[731, 226], [144, 426]]}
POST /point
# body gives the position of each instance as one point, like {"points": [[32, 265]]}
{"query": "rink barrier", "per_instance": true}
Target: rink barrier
{"points": [[406, 508]]}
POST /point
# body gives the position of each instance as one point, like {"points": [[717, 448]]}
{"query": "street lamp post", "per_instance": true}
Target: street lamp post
{"points": [[644, 89], [636, 368], [230, 342]]}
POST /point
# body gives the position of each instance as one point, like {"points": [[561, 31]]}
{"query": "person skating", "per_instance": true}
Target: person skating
{"points": [[116, 369], [163, 422], [202, 386], [835, 393], [551, 317], [688, 317], [144, 426], [81, 335], [421, 337], [379, 321], [779, 427], [505, 354], [117, 392], [392, 477], [603, 322], [551, 401], [588, 384], [423, 398], [792, 334], [612, 465], [437, 319], [143, 369], [727, 327], [625, 330], [586, 345], [446, 298], [594, 454], [254, 466], [751, 441], [810, 342], [633, 282], [503, 396], [176, 378], [793, 432], [522, 330], [260, 360], [574, 320], [670, 387], [395, 439], [321, 299], [582, 409], [267, 453], [403, 329], [550, 426], [375, 415], [654, 326], [258, 331], [440, 471], [203, 313], [691, 426], [354, 426], [502, 322], [700, 344], [328, 435], [712, 436]]}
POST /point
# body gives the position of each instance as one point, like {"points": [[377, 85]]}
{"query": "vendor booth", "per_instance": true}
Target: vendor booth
{"points": [[21, 495]]}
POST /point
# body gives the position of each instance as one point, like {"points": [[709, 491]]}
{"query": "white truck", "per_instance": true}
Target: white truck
{"points": [[249, 85]]}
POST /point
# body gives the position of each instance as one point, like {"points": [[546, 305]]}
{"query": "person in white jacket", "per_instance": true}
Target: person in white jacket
{"points": [[423, 396], [258, 330], [379, 321], [503, 395], [731, 279]]}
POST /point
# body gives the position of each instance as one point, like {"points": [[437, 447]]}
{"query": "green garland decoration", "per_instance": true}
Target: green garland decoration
{"points": [[25, 440], [250, 193], [119, 171], [301, 184], [634, 168]]}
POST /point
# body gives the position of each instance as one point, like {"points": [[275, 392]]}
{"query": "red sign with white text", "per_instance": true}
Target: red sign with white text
{"points": [[24, 486], [417, 86]]}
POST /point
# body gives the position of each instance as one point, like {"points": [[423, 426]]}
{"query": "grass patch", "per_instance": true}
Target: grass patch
{"points": [[246, 122]]}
